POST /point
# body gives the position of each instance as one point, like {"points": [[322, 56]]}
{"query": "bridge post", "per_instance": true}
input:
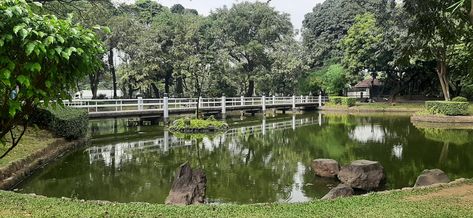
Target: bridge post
{"points": [[320, 100], [302, 99], [165, 108], [242, 100], [274, 100], [140, 103], [224, 104], [263, 104], [293, 103]]}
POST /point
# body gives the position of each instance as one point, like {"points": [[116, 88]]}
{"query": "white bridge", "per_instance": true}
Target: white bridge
{"points": [[165, 106]]}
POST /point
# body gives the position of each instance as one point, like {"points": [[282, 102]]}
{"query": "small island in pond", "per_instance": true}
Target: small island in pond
{"points": [[195, 125]]}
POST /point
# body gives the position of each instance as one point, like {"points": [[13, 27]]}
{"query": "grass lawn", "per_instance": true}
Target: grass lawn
{"points": [[412, 107], [33, 140], [452, 201]]}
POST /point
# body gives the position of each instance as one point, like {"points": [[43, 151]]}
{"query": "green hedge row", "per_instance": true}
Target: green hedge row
{"points": [[69, 123], [449, 108], [345, 101]]}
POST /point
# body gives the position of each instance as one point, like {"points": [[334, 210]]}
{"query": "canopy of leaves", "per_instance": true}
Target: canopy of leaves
{"points": [[41, 59]]}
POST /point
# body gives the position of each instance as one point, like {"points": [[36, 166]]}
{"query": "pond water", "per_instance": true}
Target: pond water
{"points": [[249, 163]]}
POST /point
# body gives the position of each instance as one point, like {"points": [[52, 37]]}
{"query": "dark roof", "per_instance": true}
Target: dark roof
{"points": [[367, 83]]}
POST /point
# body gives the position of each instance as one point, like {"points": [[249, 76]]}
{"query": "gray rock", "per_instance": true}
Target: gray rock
{"points": [[342, 190], [325, 167], [188, 187], [362, 174], [430, 177]]}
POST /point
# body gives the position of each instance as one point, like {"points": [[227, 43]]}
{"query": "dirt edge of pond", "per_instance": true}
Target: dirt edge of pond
{"points": [[18, 170]]}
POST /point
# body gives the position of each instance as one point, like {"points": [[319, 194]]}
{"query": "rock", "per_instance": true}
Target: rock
{"points": [[430, 177], [342, 190], [362, 174], [325, 167], [188, 187]]}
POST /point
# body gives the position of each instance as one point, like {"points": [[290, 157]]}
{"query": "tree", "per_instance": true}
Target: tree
{"points": [[331, 80], [328, 23], [249, 31], [437, 30], [41, 59]]}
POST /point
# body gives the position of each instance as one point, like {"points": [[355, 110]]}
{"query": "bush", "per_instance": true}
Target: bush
{"points": [[197, 125], [460, 99], [448, 108], [344, 101], [69, 123]]}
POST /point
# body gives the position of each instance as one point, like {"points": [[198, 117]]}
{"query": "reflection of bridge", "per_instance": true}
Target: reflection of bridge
{"points": [[165, 106], [121, 152]]}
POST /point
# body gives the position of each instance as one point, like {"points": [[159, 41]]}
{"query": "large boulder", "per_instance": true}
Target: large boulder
{"points": [[342, 190], [188, 187], [430, 177], [325, 167], [362, 174]]}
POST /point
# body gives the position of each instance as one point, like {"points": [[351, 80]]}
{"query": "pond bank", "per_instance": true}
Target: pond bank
{"points": [[37, 148], [377, 108], [442, 119], [439, 200]]}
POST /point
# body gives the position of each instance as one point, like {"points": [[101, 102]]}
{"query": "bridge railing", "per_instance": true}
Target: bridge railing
{"points": [[168, 104]]}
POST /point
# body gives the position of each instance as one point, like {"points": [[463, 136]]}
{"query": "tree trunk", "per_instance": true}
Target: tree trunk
{"points": [[130, 91], [179, 87], [251, 88], [94, 83], [155, 90], [112, 71], [442, 74]]}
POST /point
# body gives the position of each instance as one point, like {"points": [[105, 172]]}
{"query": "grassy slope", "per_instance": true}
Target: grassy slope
{"points": [[33, 140], [395, 204]]}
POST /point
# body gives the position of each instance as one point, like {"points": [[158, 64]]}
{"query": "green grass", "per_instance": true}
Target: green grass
{"points": [[33, 140], [394, 204]]}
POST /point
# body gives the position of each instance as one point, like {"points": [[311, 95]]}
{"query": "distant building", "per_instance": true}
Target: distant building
{"points": [[87, 94], [365, 89]]}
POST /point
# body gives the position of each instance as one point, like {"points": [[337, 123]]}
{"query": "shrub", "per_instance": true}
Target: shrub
{"points": [[344, 101], [460, 99], [448, 108], [197, 125], [69, 123]]}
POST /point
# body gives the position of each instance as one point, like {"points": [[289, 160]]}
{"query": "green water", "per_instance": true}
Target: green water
{"points": [[250, 164]]}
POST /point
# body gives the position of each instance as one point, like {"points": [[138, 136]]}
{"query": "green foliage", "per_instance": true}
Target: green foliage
{"points": [[41, 58], [459, 99], [447, 107], [188, 125], [69, 123], [331, 80], [361, 43], [343, 101], [328, 23]]}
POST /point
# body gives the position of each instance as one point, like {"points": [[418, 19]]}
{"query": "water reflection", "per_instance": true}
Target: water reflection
{"points": [[259, 160]]}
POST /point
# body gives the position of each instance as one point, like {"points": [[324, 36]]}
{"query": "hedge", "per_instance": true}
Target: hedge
{"points": [[459, 99], [69, 123], [448, 108], [345, 101]]}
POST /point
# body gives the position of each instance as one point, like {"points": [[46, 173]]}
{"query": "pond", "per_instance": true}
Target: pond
{"points": [[249, 163]]}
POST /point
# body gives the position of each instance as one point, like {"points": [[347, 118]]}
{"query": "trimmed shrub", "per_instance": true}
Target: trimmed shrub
{"points": [[344, 101], [188, 125], [448, 108], [459, 99], [69, 123]]}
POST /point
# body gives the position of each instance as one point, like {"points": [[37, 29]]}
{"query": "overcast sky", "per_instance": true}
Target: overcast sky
{"points": [[296, 8]]}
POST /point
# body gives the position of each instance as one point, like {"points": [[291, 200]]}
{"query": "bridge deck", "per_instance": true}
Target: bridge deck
{"points": [[166, 106]]}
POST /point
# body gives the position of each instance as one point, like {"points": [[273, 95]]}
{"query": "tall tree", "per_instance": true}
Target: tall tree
{"points": [[328, 23], [437, 30], [250, 30]]}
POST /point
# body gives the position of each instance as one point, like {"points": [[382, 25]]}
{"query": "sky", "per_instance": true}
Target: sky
{"points": [[296, 8]]}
